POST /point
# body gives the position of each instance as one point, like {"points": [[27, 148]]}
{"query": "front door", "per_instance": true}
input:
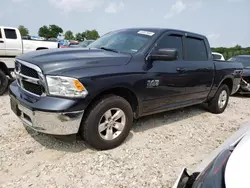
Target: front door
{"points": [[166, 80], [2, 43], [13, 42]]}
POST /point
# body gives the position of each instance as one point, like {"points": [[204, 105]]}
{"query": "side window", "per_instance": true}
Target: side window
{"points": [[0, 33], [196, 49], [10, 33], [172, 41]]}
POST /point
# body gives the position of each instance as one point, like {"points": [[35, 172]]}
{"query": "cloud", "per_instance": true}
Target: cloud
{"points": [[152, 10], [80, 5], [175, 9], [17, 1], [114, 7], [1, 15], [235, 1], [180, 7], [213, 36], [195, 5]]}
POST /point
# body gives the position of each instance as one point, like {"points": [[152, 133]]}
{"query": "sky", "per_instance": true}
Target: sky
{"points": [[224, 22]]}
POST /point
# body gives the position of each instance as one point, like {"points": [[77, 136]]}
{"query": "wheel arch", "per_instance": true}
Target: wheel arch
{"points": [[229, 82], [122, 91], [41, 48], [4, 68]]}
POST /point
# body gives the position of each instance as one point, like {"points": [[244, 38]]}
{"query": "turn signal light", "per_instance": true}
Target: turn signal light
{"points": [[79, 85]]}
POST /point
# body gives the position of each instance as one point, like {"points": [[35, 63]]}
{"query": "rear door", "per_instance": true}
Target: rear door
{"points": [[199, 66], [13, 42], [2, 43]]}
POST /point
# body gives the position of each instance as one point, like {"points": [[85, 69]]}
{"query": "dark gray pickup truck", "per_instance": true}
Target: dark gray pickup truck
{"points": [[124, 75], [245, 81]]}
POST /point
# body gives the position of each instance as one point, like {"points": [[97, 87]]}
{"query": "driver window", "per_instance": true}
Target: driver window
{"points": [[172, 41]]}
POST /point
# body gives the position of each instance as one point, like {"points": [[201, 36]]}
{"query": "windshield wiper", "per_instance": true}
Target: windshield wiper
{"points": [[108, 49]]}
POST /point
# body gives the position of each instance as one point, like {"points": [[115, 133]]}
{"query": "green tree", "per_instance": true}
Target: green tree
{"points": [[69, 35], [55, 31], [230, 52], [50, 32], [91, 34], [79, 37], [23, 30], [44, 32], [83, 36], [225, 54], [87, 35], [237, 47]]}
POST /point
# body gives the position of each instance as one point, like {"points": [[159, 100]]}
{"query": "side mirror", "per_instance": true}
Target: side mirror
{"points": [[165, 54]]}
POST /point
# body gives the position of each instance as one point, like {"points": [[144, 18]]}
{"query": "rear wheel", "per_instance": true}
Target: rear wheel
{"points": [[219, 103], [108, 123], [3, 82]]}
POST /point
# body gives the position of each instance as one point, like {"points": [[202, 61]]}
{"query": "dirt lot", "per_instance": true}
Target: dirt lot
{"points": [[153, 155]]}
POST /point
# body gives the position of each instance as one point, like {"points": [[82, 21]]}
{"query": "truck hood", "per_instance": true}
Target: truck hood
{"points": [[57, 61], [237, 169]]}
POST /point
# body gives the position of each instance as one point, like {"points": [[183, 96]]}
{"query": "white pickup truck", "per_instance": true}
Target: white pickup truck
{"points": [[218, 56], [12, 45]]}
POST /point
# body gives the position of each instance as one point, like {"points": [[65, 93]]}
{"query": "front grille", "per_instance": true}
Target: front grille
{"points": [[28, 77], [27, 71], [33, 88]]}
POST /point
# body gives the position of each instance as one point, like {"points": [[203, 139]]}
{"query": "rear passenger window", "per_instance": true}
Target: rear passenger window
{"points": [[0, 33], [172, 41], [196, 49], [10, 33]]}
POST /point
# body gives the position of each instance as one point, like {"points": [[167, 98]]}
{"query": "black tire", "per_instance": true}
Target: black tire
{"points": [[213, 105], [89, 127], [4, 82]]}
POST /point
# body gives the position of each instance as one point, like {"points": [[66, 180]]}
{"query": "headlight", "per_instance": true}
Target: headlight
{"points": [[65, 86]]}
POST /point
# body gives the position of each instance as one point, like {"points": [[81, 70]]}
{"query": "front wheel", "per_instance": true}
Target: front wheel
{"points": [[4, 81], [108, 123], [219, 103]]}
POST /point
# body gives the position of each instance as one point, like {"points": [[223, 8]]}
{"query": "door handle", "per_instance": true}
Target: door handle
{"points": [[181, 70], [1, 41]]}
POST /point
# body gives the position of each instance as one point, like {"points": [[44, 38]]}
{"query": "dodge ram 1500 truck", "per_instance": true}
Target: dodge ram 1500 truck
{"points": [[126, 74], [12, 45]]}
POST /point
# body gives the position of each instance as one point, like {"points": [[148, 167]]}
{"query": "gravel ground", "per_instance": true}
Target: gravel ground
{"points": [[152, 156]]}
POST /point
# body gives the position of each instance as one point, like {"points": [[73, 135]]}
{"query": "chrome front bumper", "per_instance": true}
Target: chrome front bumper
{"points": [[50, 122]]}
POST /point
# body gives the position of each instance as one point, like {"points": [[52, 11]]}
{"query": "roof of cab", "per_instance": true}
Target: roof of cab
{"points": [[160, 30], [4, 27]]}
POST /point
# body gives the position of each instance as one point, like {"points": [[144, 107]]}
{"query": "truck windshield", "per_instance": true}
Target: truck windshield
{"points": [[123, 41]]}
